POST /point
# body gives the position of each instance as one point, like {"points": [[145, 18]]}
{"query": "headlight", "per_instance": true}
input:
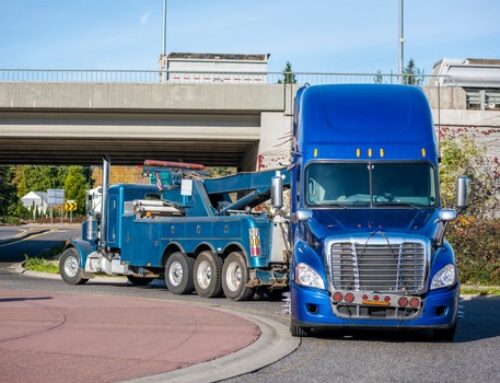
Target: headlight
{"points": [[306, 276], [444, 277]]}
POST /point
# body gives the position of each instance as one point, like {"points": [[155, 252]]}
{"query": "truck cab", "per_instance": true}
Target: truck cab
{"points": [[367, 221]]}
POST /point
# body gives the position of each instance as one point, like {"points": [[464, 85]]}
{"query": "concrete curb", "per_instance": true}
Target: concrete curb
{"points": [[25, 234], [274, 343], [37, 274]]}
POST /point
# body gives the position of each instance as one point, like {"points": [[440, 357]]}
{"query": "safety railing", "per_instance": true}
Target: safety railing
{"points": [[209, 77]]}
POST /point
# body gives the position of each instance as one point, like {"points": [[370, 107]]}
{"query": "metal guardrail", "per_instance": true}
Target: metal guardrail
{"points": [[152, 77]]}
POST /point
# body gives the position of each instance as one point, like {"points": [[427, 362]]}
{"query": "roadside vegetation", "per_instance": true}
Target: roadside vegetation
{"points": [[45, 263], [475, 234]]}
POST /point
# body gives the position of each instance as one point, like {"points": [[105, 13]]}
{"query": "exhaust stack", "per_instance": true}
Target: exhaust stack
{"points": [[106, 164]]}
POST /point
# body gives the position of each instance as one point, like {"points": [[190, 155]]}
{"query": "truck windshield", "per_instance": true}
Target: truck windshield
{"points": [[370, 184]]}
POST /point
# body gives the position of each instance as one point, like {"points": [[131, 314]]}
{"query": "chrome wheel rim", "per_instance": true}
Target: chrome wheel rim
{"points": [[71, 266], [234, 276], [204, 274], [175, 273]]}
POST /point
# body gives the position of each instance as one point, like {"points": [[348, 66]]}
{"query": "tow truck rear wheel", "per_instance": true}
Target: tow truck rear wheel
{"points": [[445, 335], [139, 281], [297, 331], [207, 275], [235, 278], [69, 267], [179, 273]]}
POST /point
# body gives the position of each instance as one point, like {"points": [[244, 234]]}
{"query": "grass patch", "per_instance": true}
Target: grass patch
{"points": [[479, 290], [41, 265]]}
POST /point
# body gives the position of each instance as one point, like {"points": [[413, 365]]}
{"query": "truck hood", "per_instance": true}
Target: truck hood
{"points": [[330, 222]]}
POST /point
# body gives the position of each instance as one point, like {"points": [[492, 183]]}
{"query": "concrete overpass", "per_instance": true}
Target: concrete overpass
{"points": [[215, 124]]}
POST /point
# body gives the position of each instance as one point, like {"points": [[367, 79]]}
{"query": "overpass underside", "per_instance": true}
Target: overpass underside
{"points": [[77, 123], [129, 138]]}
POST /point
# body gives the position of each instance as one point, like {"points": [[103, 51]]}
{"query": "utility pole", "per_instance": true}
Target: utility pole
{"points": [[163, 54], [401, 41]]}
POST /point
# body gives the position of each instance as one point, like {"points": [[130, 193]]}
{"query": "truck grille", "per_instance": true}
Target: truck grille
{"points": [[380, 267]]}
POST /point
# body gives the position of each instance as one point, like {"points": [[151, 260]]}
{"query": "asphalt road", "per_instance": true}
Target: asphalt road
{"points": [[38, 244], [342, 356], [9, 232]]}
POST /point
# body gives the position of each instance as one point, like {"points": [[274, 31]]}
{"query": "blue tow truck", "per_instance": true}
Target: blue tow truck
{"points": [[186, 228], [367, 225]]}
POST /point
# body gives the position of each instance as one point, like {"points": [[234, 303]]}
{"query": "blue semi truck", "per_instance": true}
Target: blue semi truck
{"points": [[363, 245], [367, 224]]}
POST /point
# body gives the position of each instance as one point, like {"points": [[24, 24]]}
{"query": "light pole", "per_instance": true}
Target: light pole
{"points": [[401, 41], [163, 55], [164, 51]]}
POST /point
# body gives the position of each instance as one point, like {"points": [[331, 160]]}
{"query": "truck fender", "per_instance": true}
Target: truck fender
{"points": [[84, 248], [303, 253], [443, 256]]}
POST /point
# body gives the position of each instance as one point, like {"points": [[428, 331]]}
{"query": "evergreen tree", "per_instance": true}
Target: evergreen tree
{"points": [[413, 75], [288, 75]]}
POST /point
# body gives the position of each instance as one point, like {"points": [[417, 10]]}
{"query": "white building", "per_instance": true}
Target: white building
{"points": [[36, 199], [218, 68], [480, 79]]}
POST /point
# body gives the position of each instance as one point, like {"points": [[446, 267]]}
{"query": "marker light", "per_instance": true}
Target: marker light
{"points": [[337, 297], [370, 152], [403, 302], [254, 241], [364, 297], [315, 152], [414, 303], [387, 298], [424, 152], [376, 298], [381, 152], [358, 152], [349, 297]]}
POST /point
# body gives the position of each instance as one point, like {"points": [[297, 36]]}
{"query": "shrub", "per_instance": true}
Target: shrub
{"points": [[476, 246]]}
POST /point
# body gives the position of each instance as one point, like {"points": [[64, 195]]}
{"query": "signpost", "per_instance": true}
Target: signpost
{"points": [[55, 197], [70, 206]]}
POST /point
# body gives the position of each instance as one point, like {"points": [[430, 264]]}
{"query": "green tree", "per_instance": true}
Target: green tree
{"points": [[8, 196], [76, 184], [39, 178], [413, 75], [288, 75]]}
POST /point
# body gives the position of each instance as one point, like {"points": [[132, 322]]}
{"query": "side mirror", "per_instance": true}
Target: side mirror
{"points": [[462, 192], [277, 192], [447, 215]]}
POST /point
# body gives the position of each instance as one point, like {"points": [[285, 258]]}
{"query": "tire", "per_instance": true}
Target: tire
{"points": [[139, 281], [235, 278], [69, 267], [445, 335], [179, 274], [297, 331], [207, 275]]}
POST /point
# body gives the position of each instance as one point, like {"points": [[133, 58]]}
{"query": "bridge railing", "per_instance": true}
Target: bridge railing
{"points": [[198, 77]]}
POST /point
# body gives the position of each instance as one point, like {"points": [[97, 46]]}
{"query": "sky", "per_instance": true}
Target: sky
{"points": [[314, 35]]}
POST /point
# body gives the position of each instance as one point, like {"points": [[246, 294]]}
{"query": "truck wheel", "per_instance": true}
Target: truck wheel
{"points": [[69, 267], [139, 281], [445, 335], [179, 273], [297, 331], [235, 278], [207, 275]]}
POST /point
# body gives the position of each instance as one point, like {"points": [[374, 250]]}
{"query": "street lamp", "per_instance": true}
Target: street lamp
{"points": [[401, 41]]}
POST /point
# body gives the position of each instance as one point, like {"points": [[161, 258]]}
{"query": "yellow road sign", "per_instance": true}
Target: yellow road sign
{"points": [[70, 205]]}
